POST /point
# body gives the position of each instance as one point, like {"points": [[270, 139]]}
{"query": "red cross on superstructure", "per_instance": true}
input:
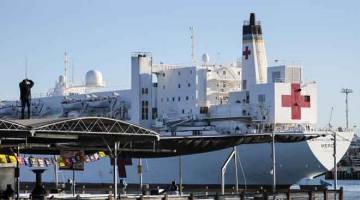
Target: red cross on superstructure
{"points": [[295, 101], [246, 52]]}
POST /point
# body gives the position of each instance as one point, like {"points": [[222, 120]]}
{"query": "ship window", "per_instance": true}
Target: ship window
{"points": [[276, 76], [155, 85], [179, 86], [203, 110], [173, 98], [179, 73], [307, 98], [144, 110], [188, 84], [244, 84], [224, 84], [261, 98], [179, 98], [167, 99], [144, 91], [190, 71], [224, 72], [154, 113], [187, 98], [163, 87], [196, 132], [183, 111], [164, 74]]}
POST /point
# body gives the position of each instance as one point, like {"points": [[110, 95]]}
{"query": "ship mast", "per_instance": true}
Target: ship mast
{"points": [[193, 60], [66, 63]]}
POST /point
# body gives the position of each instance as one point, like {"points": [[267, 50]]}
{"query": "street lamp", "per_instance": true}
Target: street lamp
{"points": [[347, 91]]}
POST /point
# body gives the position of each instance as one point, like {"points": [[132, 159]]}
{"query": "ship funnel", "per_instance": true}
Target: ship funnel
{"points": [[252, 18]]}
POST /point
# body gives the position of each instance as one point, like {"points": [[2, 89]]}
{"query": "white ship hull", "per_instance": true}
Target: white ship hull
{"points": [[295, 161]]}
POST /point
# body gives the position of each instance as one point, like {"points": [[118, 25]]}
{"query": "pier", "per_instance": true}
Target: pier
{"points": [[105, 193]]}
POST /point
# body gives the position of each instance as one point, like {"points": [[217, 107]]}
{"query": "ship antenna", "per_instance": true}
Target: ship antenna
{"points": [[347, 91], [192, 45], [330, 119], [72, 72], [66, 62]]}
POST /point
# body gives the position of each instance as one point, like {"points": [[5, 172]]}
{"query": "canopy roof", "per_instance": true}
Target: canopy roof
{"points": [[90, 134]]}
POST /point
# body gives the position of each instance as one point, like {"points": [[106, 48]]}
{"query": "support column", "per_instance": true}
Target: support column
{"points": [[236, 171], [17, 173], [56, 175], [273, 163], [180, 176], [223, 170], [335, 166], [73, 181], [115, 170], [140, 174]]}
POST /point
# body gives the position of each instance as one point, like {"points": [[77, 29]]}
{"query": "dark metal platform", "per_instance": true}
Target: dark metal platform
{"points": [[91, 134]]}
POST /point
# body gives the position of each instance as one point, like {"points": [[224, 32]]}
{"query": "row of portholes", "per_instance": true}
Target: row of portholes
{"points": [[179, 73], [187, 98], [179, 86]]}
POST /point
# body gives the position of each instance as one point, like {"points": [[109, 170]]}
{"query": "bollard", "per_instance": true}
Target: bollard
{"points": [[206, 191], [265, 194], [242, 195], [325, 194], [165, 197], [310, 193], [216, 196], [110, 191], [288, 194], [341, 193], [191, 197], [233, 190], [83, 189]]}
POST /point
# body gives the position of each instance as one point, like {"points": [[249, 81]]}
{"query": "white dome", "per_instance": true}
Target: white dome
{"points": [[94, 78]]}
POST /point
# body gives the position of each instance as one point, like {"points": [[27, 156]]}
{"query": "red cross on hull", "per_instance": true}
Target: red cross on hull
{"points": [[296, 101]]}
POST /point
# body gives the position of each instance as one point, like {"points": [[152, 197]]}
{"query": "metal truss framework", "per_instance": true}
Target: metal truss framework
{"points": [[83, 125]]}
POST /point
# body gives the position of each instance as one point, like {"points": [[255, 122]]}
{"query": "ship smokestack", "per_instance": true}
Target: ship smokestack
{"points": [[254, 62], [252, 18]]}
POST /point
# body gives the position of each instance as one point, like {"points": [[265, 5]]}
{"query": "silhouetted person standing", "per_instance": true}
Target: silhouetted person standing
{"points": [[25, 96]]}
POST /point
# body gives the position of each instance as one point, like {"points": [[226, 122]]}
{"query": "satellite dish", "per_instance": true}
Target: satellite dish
{"points": [[205, 58]]}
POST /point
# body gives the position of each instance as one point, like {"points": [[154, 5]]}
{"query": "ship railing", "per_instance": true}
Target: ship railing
{"points": [[164, 67]]}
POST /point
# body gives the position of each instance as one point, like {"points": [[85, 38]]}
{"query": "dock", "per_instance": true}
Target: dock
{"points": [[105, 193]]}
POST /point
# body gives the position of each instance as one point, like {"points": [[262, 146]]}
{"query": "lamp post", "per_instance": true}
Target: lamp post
{"points": [[335, 165], [347, 91]]}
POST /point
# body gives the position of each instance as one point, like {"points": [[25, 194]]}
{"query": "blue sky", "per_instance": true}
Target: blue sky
{"points": [[323, 36]]}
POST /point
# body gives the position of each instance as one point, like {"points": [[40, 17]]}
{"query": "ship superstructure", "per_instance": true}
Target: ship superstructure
{"points": [[204, 98]]}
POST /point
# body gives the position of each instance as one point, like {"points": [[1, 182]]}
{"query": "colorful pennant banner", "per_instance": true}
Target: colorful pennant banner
{"points": [[31, 161]]}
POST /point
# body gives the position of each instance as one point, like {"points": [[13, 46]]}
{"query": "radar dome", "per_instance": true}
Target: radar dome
{"points": [[94, 78], [205, 58]]}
